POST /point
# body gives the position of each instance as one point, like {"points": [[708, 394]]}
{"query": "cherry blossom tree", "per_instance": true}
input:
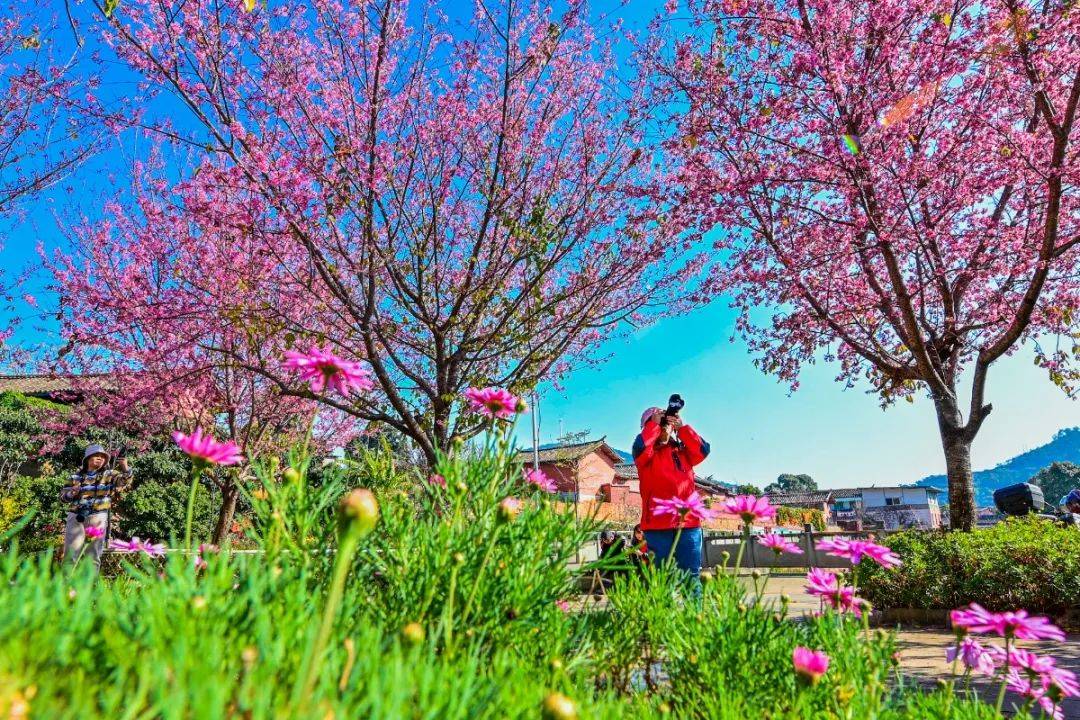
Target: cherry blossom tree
{"points": [[897, 181], [156, 349], [50, 122], [454, 205]]}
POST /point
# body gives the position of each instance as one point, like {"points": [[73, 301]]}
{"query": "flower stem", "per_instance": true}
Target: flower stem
{"points": [[196, 471], [742, 547], [480, 572], [1004, 677], [346, 551]]}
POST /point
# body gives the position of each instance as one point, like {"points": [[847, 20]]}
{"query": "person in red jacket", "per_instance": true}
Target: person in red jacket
{"points": [[665, 453]]}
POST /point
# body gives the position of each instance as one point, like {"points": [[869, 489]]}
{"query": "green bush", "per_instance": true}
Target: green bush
{"points": [[238, 638], [791, 516], [1019, 563]]}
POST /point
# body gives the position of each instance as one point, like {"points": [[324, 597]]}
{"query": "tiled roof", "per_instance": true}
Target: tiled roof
{"points": [[626, 471], [801, 498], [569, 452], [857, 492], [48, 384]]}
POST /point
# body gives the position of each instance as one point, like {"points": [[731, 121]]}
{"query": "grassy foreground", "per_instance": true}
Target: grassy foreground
{"points": [[449, 608]]}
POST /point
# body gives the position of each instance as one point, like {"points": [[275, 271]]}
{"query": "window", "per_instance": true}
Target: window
{"points": [[892, 500]]}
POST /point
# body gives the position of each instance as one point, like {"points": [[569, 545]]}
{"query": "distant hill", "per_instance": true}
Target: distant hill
{"points": [[1065, 447]]}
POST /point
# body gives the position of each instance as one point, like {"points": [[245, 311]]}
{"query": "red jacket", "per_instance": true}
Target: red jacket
{"points": [[666, 471]]}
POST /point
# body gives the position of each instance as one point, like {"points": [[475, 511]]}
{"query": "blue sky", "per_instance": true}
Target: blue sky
{"points": [[757, 429]]}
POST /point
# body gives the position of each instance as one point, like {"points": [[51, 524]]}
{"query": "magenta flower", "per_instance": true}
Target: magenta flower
{"points": [[855, 550], [540, 479], [974, 656], [810, 665], [436, 479], [322, 369], [826, 586], [563, 605], [494, 402], [1055, 680], [1015, 624], [779, 544], [135, 545], [94, 533], [693, 507], [750, 508], [205, 450]]}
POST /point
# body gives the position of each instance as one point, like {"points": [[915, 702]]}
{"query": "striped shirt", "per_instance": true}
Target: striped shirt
{"points": [[91, 492]]}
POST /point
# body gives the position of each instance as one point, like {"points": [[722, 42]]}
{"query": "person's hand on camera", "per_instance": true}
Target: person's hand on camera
{"points": [[122, 464], [674, 422]]}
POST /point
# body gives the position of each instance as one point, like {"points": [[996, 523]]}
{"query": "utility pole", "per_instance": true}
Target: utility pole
{"points": [[536, 430]]}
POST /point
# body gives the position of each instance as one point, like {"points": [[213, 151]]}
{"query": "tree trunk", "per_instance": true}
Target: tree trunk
{"points": [[956, 442], [229, 495]]}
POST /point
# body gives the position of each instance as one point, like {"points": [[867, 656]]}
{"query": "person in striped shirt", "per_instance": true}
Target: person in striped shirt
{"points": [[90, 493]]}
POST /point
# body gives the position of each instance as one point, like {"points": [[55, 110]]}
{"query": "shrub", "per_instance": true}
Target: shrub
{"points": [[477, 591], [1021, 562], [792, 516]]}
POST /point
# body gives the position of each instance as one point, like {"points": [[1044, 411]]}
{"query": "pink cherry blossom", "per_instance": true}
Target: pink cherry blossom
{"points": [[855, 550], [692, 507], [94, 533], [540, 479], [1016, 624], [809, 664], [205, 450], [750, 508], [779, 544], [493, 402], [322, 369]]}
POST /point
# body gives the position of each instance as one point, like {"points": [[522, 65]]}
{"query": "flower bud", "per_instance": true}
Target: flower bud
{"points": [[557, 706], [358, 512], [461, 487], [785, 598], [413, 633], [707, 576], [756, 574], [291, 476], [556, 664], [509, 509], [521, 406], [459, 558], [198, 602]]}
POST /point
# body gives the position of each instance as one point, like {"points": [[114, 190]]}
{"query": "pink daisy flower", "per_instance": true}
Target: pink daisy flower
{"points": [[809, 664], [322, 369], [494, 402], [1014, 624], [779, 544], [135, 545], [750, 508], [540, 479], [826, 586], [205, 450], [94, 533], [855, 550], [974, 656], [693, 507]]}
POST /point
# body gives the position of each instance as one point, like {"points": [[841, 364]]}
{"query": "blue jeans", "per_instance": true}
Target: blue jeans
{"points": [[687, 554]]}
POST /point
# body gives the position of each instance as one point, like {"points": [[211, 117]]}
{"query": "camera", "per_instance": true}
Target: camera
{"points": [[675, 404]]}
